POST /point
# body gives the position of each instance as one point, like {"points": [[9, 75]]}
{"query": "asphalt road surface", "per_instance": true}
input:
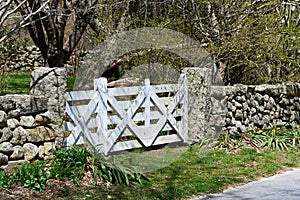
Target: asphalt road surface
{"points": [[284, 186]]}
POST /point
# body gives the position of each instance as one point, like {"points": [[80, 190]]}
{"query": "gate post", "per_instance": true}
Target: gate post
{"points": [[51, 84], [199, 82]]}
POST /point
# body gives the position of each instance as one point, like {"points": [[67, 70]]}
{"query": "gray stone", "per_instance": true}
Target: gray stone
{"points": [[294, 115], [218, 92], [276, 114], [259, 98], [230, 106], [233, 130], [238, 89], [233, 109], [52, 87], [284, 102], [272, 101], [278, 122], [6, 148], [260, 109], [266, 119], [3, 118], [287, 112], [241, 127], [13, 164], [3, 159], [40, 134], [229, 114], [12, 123], [239, 115], [256, 120], [238, 105], [269, 106], [199, 80], [30, 151], [217, 120], [19, 136], [266, 97], [240, 99], [6, 134], [228, 121], [217, 107], [27, 121], [18, 153], [14, 113], [245, 106], [245, 114], [59, 141], [254, 103], [47, 149], [23, 104], [253, 111], [271, 90], [43, 119]]}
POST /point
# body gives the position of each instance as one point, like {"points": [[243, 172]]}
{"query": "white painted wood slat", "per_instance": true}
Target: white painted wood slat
{"points": [[105, 111]]}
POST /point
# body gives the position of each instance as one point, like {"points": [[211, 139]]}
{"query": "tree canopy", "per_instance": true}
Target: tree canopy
{"points": [[252, 41]]}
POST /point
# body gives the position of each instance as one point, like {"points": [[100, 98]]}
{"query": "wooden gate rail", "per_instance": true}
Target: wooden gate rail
{"points": [[110, 120]]}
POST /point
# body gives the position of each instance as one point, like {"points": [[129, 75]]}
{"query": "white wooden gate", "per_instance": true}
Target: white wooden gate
{"points": [[116, 119]]}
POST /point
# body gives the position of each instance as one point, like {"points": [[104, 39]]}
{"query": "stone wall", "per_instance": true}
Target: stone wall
{"points": [[241, 108], [31, 126], [28, 59], [24, 59]]}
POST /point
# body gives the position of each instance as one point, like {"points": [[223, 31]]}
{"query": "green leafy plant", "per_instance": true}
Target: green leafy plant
{"points": [[228, 141], [69, 164], [277, 139], [31, 175], [5, 180], [111, 172], [73, 163], [274, 139], [295, 139]]}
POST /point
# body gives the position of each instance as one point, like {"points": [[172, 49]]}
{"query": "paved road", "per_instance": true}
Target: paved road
{"points": [[285, 186]]}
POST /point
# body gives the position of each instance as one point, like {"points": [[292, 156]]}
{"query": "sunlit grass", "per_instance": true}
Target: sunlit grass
{"points": [[194, 175], [19, 83], [15, 83]]}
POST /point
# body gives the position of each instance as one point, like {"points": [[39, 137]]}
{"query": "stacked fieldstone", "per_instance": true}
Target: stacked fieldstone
{"points": [[31, 125], [25, 59], [244, 108]]}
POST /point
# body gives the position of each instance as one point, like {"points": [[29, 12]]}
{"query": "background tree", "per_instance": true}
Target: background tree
{"points": [[252, 41], [46, 21]]}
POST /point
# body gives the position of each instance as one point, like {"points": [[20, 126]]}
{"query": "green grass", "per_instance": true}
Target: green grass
{"points": [[19, 83], [15, 83], [194, 175]]}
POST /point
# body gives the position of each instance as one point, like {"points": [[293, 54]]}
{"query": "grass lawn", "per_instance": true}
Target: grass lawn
{"points": [[194, 175], [15, 83], [19, 83], [191, 175]]}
